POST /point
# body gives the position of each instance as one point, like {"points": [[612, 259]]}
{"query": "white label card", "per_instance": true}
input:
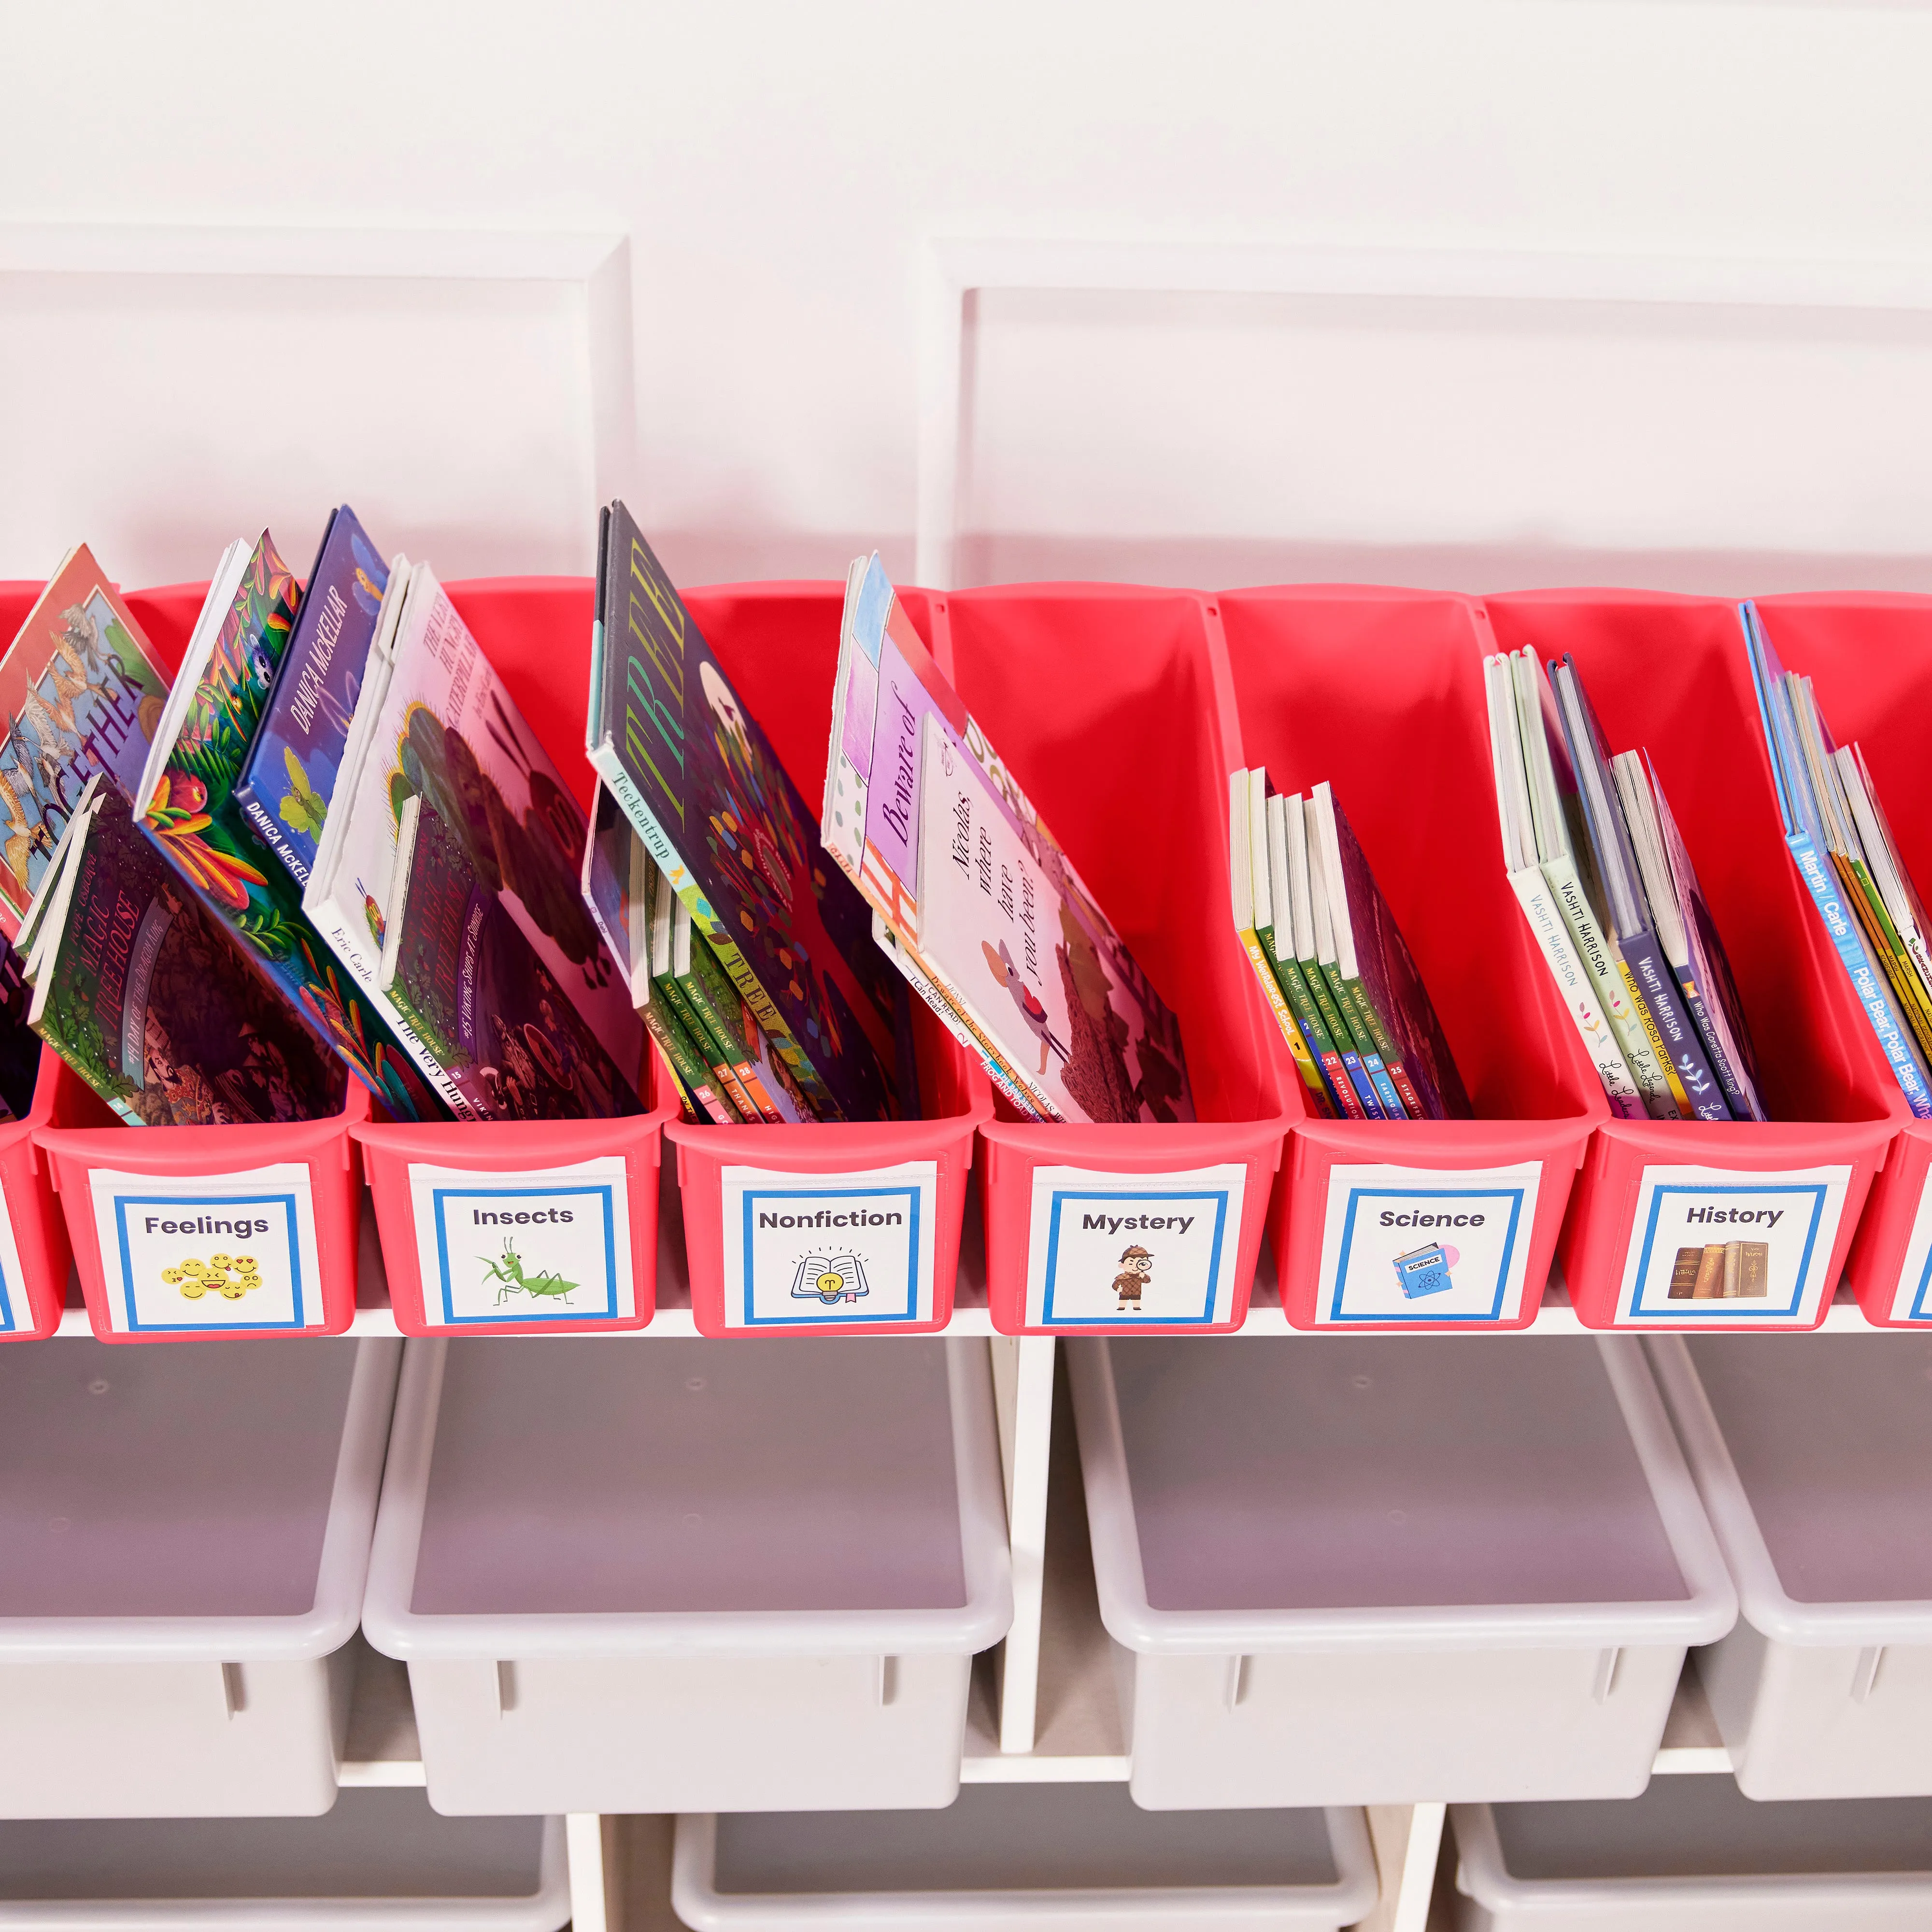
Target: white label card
{"points": [[1715, 1245], [209, 1253], [828, 1250], [497, 1250], [1426, 1245], [1107, 1250], [1911, 1300]]}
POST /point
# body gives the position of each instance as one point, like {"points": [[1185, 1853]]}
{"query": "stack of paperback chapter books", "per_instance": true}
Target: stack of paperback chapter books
{"points": [[1328, 954], [1606, 881], [1846, 854]]}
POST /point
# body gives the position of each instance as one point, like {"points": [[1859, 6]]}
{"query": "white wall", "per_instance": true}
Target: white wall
{"points": [[778, 171]]}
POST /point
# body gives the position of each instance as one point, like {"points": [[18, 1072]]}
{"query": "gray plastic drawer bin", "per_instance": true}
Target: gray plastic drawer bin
{"points": [[381, 1861], [715, 1576], [1042, 1858], [1694, 1854], [1814, 1456], [183, 1538], [1382, 1571]]}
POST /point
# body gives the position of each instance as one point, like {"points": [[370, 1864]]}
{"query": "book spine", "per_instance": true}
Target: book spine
{"points": [[1593, 1028], [1289, 976], [943, 1011], [707, 993], [1304, 1061], [261, 821], [1337, 1029], [676, 994], [693, 1075], [1867, 982], [1343, 992], [1598, 955], [1371, 1026], [1682, 1048], [1702, 1019]]}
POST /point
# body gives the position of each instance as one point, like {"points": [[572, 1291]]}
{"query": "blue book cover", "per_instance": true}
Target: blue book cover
{"points": [[285, 787], [1426, 1270]]}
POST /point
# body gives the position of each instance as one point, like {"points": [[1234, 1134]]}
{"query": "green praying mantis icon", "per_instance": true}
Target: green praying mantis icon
{"points": [[508, 1274]]}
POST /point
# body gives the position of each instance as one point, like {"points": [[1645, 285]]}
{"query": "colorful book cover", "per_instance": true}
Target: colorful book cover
{"points": [[1115, 1051], [189, 810], [150, 1000], [718, 813], [80, 692], [434, 719], [727, 1019], [473, 986], [289, 776]]}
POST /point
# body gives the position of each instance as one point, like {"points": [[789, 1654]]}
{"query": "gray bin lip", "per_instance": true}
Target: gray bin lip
{"points": [[340, 1574], [1482, 1874], [1707, 1613], [396, 1630], [1764, 1606], [699, 1905]]}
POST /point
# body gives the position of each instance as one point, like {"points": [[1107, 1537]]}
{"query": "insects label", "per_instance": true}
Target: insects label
{"points": [[506, 1250], [1424, 1246], [1113, 1250], [209, 1252], [1714, 1245], [827, 1251]]}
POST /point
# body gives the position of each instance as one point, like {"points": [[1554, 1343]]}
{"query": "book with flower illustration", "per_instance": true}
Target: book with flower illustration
{"points": [[289, 776], [81, 692], [1042, 989], [185, 801], [433, 719], [717, 811], [151, 1000]]}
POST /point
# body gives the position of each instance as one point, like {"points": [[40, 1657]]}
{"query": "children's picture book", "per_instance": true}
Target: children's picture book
{"points": [[1310, 940], [1047, 989], [185, 802], [288, 776], [617, 882], [434, 719], [150, 1001], [688, 761], [476, 991], [81, 692], [696, 1074], [719, 1020]]}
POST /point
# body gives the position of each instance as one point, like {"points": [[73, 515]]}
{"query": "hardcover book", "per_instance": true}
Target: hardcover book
{"points": [[1313, 937], [80, 692], [150, 1001], [616, 883], [720, 1019], [1074, 1021], [186, 804], [718, 812], [1278, 945], [695, 1074], [289, 776]]}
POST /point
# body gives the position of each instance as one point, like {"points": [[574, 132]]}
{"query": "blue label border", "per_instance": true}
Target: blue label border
{"points": [[1061, 1195], [1515, 1196], [183, 1206], [1694, 1311], [545, 1310], [910, 1191], [1918, 1311]]}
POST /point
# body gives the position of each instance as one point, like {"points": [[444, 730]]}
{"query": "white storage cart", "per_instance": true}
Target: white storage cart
{"points": [[1694, 1854], [184, 1536], [1813, 1455], [1050, 1857], [691, 1575], [1387, 1570]]}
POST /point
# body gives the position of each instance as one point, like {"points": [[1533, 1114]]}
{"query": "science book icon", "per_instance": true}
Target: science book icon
{"points": [[830, 1279], [1426, 1270]]}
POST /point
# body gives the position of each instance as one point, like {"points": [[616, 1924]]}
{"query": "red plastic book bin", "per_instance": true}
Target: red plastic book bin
{"points": [[760, 1202], [1110, 705], [450, 1194], [1669, 674], [1380, 692], [1871, 654]]}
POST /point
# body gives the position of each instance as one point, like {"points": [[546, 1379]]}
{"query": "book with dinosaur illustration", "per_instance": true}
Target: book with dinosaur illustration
{"points": [[720, 815], [289, 776], [150, 1000], [1059, 1002], [433, 718], [456, 962], [185, 801], [81, 692]]}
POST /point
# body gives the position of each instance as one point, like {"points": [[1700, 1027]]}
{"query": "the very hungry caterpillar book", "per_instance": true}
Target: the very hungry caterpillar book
{"points": [[80, 692], [719, 814]]}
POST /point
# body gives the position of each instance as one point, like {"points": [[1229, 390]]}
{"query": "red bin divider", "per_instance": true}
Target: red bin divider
{"points": [[1670, 674], [32, 1296], [1380, 692], [1112, 707]]}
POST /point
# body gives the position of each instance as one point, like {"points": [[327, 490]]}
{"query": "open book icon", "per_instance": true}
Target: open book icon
{"points": [[830, 1278]]}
